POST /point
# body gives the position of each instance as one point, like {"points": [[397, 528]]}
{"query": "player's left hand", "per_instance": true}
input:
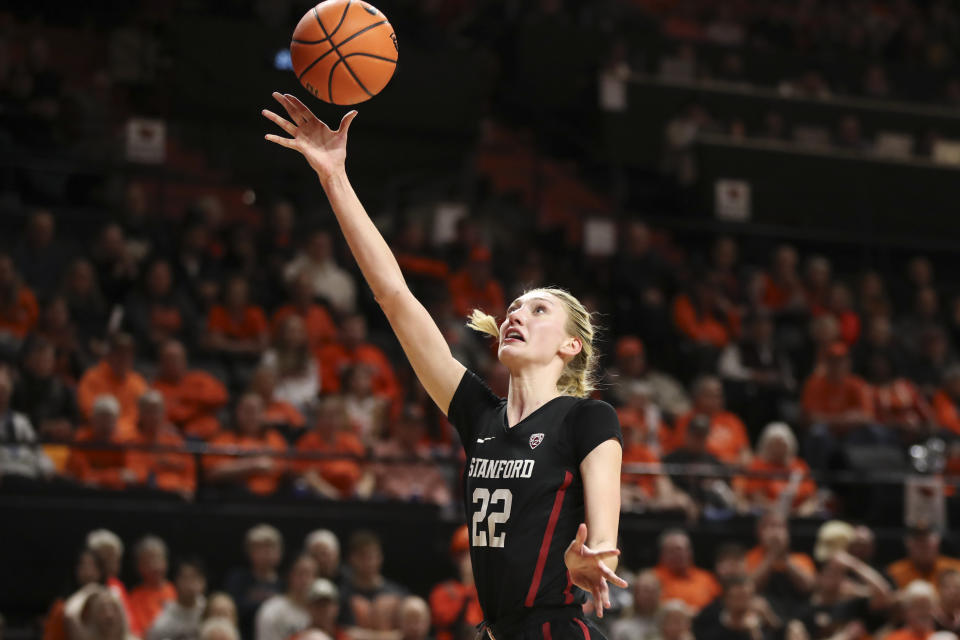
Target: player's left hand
{"points": [[588, 570]]}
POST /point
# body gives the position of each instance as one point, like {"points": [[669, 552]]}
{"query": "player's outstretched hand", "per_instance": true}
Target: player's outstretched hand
{"points": [[588, 570], [325, 150]]}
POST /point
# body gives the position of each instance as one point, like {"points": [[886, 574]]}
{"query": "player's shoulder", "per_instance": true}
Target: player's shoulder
{"points": [[591, 410]]}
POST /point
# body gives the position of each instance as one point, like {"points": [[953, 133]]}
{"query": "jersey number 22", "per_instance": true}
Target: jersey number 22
{"points": [[489, 537]]}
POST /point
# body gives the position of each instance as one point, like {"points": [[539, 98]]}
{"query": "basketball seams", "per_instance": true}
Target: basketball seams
{"points": [[340, 55], [370, 55]]}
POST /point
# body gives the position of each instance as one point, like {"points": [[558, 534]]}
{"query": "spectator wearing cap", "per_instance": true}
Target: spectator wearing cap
{"points": [[782, 576], [352, 349], [919, 602], [278, 414], [324, 547], [192, 397], [948, 613], [285, 614], [105, 467], [317, 322], [365, 590], [154, 592], [405, 467], [114, 375], [838, 409], [108, 548], [776, 476], [897, 402], [20, 455], [474, 286], [924, 560], [453, 603], [334, 477], [47, 402], [323, 604], [167, 470], [250, 586], [18, 305], [298, 375], [260, 473], [641, 621], [727, 439], [328, 280], [182, 617], [237, 329], [679, 578], [631, 366]]}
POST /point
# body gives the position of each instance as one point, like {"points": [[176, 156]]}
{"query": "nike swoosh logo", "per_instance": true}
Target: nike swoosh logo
{"points": [[482, 440]]}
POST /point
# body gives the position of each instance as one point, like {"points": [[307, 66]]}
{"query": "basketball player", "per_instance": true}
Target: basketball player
{"points": [[543, 465]]}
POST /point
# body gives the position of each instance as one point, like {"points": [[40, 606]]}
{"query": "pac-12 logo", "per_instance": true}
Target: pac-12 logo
{"points": [[535, 440]]}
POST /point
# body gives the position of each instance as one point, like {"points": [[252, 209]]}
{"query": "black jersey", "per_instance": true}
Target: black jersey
{"points": [[524, 494]]}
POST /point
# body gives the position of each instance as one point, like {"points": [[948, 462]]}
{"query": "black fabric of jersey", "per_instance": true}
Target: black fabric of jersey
{"points": [[524, 494]]}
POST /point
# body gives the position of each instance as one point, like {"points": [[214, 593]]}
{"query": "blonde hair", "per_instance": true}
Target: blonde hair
{"points": [[578, 377], [777, 430]]}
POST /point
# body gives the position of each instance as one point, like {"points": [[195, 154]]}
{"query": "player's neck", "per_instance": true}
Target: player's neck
{"points": [[527, 393]]}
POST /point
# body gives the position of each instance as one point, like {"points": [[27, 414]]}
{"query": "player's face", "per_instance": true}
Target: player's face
{"points": [[534, 331]]}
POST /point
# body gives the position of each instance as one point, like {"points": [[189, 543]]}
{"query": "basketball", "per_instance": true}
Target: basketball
{"points": [[344, 51]]}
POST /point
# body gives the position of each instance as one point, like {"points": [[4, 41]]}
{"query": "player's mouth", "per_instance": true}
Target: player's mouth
{"points": [[513, 336]]}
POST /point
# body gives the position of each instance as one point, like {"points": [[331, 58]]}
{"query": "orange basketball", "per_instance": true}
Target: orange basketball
{"points": [[344, 51]]}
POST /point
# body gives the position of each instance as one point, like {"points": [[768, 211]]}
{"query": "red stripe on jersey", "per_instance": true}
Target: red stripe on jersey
{"points": [[547, 538], [583, 627], [568, 592], [546, 631]]}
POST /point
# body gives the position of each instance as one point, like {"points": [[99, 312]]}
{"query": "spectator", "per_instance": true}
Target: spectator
{"points": [[261, 473], [87, 571], [221, 605], [108, 467], [108, 548], [102, 618], [323, 603], [705, 317], [195, 266], [181, 618], [251, 586], [817, 284], [872, 298], [784, 577], [426, 275], [413, 619], [673, 621], [42, 397], [948, 587], [405, 469], [924, 560], [642, 277], [727, 439], [824, 333], [919, 601], [729, 562], [242, 260], [277, 413], [838, 409], [474, 286], [18, 305], [839, 304], [643, 617], [144, 230], [454, 603], [298, 377], [115, 267], [237, 329], [927, 369], [878, 340], [833, 536], [218, 629], [20, 455], [277, 242], [56, 326], [946, 399], [352, 349], [642, 418], [114, 375], [783, 290], [167, 470], [631, 366], [924, 318], [285, 614], [154, 591], [328, 280], [192, 396], [317, 322], [743, 615], [898, 403], [324, 547], [694, 455], [365, 590], [366, 411], [782, 480], [40, 258], [334, 478], [160, 312], [88, 309], [679, 578]]}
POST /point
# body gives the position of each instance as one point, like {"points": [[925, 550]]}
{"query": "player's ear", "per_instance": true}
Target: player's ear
{"points": [[571, 347]]}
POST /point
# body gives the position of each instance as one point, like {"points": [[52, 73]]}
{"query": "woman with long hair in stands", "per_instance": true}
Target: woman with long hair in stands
{"points": [[543, 464]]}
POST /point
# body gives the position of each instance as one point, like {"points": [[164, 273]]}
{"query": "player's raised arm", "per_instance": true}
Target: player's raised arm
{"points": [[326, 151]]}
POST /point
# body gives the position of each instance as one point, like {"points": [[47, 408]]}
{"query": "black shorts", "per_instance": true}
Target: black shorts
{"points": [[566, 628]]}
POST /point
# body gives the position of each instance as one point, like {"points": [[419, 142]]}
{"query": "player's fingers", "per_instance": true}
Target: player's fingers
{"points": [[600, 553], [613, 577], [287, 106], [303, 111], [582, 533], [283, 142], [345, 122], [598, 602], [283, 123], [605, 593]]}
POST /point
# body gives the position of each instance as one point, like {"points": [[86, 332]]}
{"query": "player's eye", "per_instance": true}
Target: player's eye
{"points": [[539, 308]]}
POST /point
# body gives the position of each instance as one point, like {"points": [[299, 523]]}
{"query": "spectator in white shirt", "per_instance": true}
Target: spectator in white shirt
{"points": [[20, 455], [181, 618], [286, 614], [328, 279]]}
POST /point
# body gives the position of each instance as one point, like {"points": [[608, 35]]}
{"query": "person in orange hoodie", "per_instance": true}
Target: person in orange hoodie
{"points": [[167, 470], [331, 434], [192, 396], [154, 591], [351, 349], [777, 454], [108, 467], [727, 439], [114, 375], [259, 472], [453, 603], [320, 327]]}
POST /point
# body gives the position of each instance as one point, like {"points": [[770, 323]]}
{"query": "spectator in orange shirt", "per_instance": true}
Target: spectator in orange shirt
{"points": [[727, 439], [474, 286], [237, 329], [160, 312], [259, 472], [783, 577], [192, 396], [168, 470], [897, 402], [353, 348], [107, 468], [924, 560], [334, 478], [679, 578], [919, 601], [840, 306], [777, 454], [783, 290], [417, 477], [704, 317], [18, 305], [154, 591], [277, 413], [453, 603], [818, 280], [319, 325], [838, 410], [114, 375], [946, 401]]}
